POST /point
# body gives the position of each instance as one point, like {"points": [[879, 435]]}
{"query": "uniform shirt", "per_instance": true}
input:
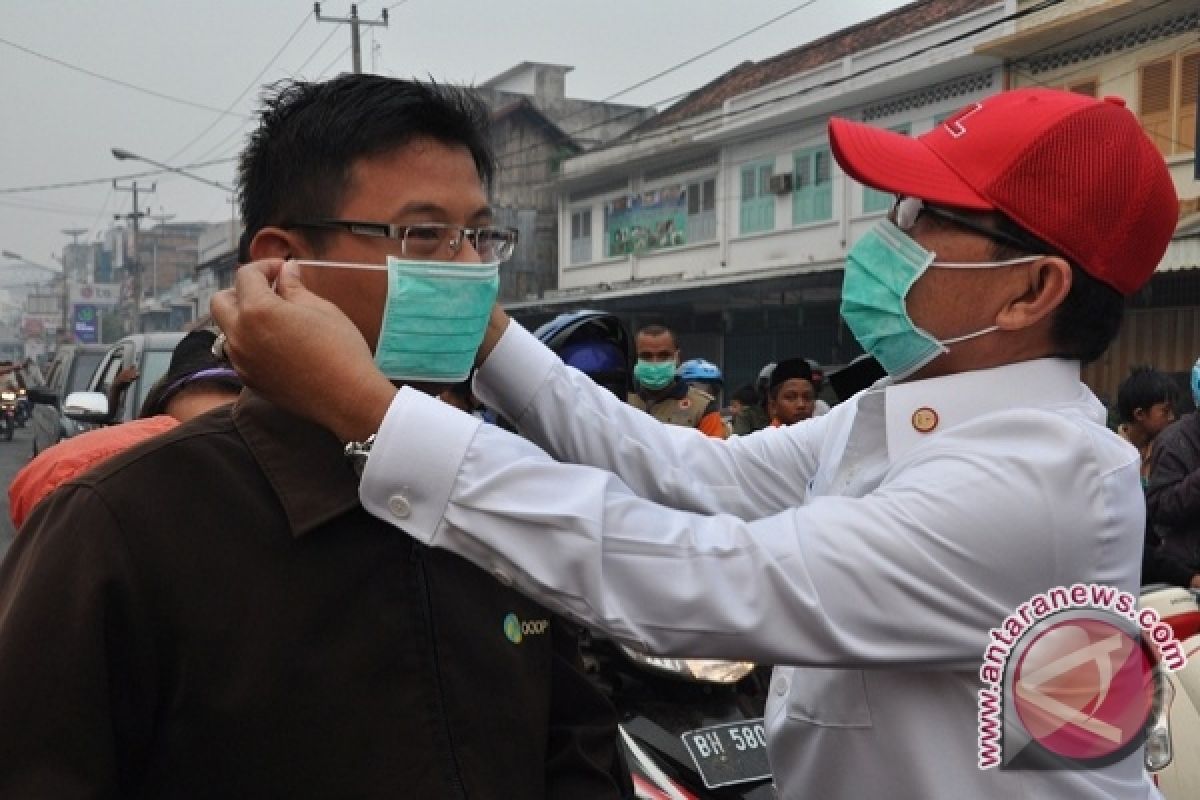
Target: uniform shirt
{"points": [[56, 465], [684, 405], [871, 557], [213, 615]]}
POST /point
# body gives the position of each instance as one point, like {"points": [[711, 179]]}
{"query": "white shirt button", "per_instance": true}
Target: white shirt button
{"points": [[781, 686], [398, 504]]}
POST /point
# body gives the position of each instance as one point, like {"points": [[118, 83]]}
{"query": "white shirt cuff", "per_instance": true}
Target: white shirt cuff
{"points": [[517, 367], [415, 461]]}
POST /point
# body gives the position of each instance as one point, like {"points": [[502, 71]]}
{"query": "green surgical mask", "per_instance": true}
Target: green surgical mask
{"points": [[654, 375], [881, 269], [434, 318]]}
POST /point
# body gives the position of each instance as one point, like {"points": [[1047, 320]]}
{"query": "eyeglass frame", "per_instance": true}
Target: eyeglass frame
{"points": [[399, 233], [1025, 245]]}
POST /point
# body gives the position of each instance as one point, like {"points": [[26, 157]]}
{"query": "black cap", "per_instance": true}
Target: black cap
{"points": [[191, 361], [788, 369]]}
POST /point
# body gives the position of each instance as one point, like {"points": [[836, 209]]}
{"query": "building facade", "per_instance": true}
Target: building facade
{"points": [[726, 217]]}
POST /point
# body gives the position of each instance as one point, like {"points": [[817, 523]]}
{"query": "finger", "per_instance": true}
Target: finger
{"points": [[223, 308], [252, 281]]}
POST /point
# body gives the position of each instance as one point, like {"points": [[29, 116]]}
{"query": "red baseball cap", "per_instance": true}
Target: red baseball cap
{"points": [[1076, 172]]}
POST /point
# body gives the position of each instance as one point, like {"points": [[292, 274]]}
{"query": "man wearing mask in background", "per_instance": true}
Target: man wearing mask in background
{"points": [[874, 547], [213, 613], [662, 394]]}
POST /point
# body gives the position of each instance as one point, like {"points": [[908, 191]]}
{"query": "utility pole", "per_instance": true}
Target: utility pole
{"points": [[355, 22], [134, 264], [74, 233]]}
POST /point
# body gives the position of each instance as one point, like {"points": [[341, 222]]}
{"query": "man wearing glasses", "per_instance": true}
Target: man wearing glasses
{"points": [[215, 615], [873, 548]]}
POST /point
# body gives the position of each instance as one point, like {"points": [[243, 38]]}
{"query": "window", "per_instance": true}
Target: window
{"points": [[1167, 91], [758, 204], [812, 192], [874, 200], [581, 236], [1088, 87], [702, 210]]}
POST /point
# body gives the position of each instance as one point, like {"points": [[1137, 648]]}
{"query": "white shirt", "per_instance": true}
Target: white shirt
{"points": [[871, 557]]}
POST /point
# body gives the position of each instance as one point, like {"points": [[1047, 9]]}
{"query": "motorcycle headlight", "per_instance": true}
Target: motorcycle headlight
{"points": [[694, 669]]}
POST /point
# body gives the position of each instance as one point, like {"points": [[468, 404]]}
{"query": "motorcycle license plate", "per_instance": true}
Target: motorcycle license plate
{"points": [[728, 754]]}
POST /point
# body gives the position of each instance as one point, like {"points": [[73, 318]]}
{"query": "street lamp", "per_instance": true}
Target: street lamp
{"points": [[122, 154]]}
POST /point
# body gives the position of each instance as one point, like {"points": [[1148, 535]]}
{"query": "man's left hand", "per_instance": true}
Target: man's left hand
{"points": [[300, 351]]}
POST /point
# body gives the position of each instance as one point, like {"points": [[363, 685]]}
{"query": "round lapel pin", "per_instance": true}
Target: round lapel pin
{"points": [[924, 419]]}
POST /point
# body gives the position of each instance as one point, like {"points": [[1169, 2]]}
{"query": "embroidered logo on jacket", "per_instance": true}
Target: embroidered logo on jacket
{"points": [[516, 630]]}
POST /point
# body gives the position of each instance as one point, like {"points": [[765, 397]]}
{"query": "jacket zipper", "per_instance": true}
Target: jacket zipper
{"points": [[423, 579]]}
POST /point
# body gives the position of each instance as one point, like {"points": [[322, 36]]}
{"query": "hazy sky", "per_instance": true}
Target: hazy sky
{"points": [[59, 124]]}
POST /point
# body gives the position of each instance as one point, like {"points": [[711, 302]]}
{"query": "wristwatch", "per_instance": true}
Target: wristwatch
{"points": [[358, 452]]}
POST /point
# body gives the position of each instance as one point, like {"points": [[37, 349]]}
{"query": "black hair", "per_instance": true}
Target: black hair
{"points": [[658, 330], [297, 163], [1145, 387], [1089, 317], [746, 395]]}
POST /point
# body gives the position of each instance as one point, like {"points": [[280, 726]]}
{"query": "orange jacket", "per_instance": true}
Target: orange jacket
{"points": [[58, 464]]}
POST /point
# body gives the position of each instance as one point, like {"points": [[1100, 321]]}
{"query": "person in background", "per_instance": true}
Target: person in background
{"points": [[214, 614], [791, 393], [746, 413], [661, 393], [1173, 500], [705, 376], [1146, 406], [195, 383]]}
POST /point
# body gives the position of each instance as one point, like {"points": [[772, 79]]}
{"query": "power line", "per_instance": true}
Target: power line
{"points": [[94, 181], [724, 116], [711, 50], [249, 86], [116, 81]]}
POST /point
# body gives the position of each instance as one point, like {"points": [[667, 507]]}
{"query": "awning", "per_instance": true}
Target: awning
{"points": [[1184, 250]]}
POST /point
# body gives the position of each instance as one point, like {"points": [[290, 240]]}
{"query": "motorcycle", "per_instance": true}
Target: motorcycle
{"points": [[8, 414], [21, 413], [1174, 732], [690, 729]]}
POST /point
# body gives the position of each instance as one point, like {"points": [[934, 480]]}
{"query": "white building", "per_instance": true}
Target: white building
{"points": [[725, 216]]}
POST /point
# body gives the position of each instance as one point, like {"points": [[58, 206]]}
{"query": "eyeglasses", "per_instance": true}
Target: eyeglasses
{"points": [[427, 240], [905, 211]]}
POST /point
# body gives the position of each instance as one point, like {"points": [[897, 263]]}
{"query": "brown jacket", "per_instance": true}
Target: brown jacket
{"points": [[213, 614]]}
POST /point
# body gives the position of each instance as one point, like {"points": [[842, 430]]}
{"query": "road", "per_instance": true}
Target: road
{"points": [[13, 456]]}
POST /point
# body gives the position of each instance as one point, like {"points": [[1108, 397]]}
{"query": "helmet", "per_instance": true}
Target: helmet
{"points": [[591, 356], [697, 369], [595, 343]]}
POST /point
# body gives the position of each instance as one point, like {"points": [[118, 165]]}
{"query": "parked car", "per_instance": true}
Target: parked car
{"points": [[150, 353], [70, 370]]}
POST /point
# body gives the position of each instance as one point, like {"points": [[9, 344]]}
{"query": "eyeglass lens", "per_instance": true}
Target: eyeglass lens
{"points": [[492, 244]]}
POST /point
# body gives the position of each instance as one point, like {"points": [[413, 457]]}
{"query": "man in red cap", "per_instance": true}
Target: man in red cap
{"points": [[883, 548]]}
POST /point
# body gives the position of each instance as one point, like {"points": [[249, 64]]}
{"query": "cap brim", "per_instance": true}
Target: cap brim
{"points": [[893, 162]]}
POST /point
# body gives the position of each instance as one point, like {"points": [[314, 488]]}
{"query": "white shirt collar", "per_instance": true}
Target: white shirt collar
{"points": [[916, 410]]}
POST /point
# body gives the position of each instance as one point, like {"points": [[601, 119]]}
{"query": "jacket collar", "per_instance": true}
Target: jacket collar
{"points": [[302, 461], [919, 410]]}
